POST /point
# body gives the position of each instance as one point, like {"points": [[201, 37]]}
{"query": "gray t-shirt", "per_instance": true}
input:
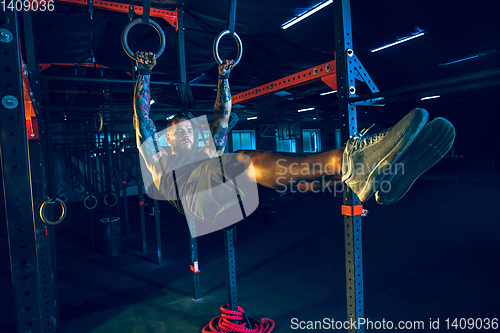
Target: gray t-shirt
{"points": [[177, 173]]}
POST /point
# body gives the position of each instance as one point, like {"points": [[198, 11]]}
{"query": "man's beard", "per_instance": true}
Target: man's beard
{"points": [[183, 150]]}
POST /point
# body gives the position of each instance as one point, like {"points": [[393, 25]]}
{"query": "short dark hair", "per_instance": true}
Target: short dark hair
{"points": [[177, 119]]}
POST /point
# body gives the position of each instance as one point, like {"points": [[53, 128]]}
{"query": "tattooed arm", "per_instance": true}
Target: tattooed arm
{"points": [[222, 112], [144, 126]]}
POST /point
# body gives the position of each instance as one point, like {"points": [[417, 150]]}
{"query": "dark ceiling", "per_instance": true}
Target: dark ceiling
{"points": [[454, 29]]}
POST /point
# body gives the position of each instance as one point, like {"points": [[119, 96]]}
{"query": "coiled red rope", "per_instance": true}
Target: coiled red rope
{"points": [[223, 323]]}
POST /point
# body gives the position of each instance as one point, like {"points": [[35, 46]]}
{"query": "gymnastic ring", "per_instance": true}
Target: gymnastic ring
{"points": [[44, 217], [216, 46], [87, 198], [106, 200], [98, 126], [126, 29]]}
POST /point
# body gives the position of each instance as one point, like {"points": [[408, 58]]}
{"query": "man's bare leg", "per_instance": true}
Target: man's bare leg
{"points": [[367, 164], [302, 171]]}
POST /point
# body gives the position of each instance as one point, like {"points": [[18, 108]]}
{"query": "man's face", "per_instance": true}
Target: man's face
{"points": [[180, 136]]}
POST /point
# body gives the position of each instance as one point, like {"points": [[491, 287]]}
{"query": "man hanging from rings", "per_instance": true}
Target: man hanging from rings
{"points": [[211, 185]]}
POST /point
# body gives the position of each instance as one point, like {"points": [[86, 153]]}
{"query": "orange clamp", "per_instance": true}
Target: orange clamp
{"points": [[194, 267], [352, 210]]}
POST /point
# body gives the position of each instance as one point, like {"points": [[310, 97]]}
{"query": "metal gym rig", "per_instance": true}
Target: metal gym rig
{"points": [[23, 167]]}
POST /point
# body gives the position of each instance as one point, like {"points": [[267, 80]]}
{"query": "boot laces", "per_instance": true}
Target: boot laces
{"points": [[361, 140], [365, 130], [360, 135]]}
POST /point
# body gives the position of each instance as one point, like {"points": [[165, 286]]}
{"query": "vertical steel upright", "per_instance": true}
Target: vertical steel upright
{"points": [[40, 192], [352, 221], [184, 99], [91, 183], [231, 268], [140, 189], [194, 259], [182, 85], [156, 212], [29, 240], [123, 189]]}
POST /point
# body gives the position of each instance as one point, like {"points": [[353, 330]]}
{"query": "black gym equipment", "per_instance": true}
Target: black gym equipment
{"points": [[26, 280], [30, 239]]}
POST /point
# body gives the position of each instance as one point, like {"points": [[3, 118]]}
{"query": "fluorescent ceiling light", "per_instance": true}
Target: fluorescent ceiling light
{"points": [[468, 58], [282, 93], [251, 118], [308, 109], [170, 117], [302, 16], [399, 41], [429, 97], [196, 78], [460, 60], [328, 93]]}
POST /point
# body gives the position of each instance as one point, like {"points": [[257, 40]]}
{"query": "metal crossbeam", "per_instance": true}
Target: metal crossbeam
{"points": [[167, 15], [325, 72], [44, 66]]}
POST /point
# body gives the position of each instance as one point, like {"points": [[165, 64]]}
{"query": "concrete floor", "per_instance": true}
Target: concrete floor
{"points": [[433, 255]]}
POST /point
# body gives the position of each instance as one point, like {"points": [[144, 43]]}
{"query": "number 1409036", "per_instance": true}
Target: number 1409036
{"points": [[27, 5]]}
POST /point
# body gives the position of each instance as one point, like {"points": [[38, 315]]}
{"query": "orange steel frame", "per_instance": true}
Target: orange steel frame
{"points": [[29, 106], [325, 72], [44, 66]]}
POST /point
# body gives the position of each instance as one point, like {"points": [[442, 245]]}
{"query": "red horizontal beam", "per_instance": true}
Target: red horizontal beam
{"points": [[325, 72], [44, 66], [79, 92], [168, 15]]}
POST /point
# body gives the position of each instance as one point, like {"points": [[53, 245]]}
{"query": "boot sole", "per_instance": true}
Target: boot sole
{"points": [[378, 176], [432, 144]]}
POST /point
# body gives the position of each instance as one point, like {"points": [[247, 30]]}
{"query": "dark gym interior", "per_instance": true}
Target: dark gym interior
{"points": [[125, 262]]}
